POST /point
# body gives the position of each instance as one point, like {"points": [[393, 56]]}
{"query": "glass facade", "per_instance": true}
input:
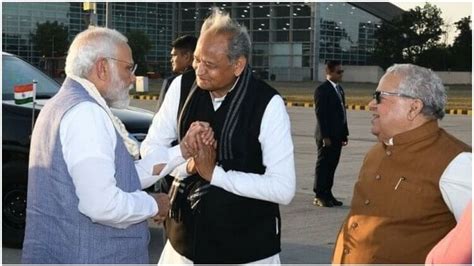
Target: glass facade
{"points": [[281, 34], [19, 21], [346, 33], [289, 39], [155, 19]]}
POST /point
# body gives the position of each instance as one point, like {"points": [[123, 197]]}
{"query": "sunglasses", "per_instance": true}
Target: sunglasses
{"points": [[378, 98]]}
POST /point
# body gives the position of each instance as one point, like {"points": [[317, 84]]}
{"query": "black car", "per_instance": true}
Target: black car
{"points": [[16, 134]]}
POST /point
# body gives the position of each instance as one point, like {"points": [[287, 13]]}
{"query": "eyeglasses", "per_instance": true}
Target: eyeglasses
{"points": [[131, 67], [378, 99]]}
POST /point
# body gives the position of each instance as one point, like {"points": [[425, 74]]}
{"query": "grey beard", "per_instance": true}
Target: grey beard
{"points": [[120, 100], [119, 104]]}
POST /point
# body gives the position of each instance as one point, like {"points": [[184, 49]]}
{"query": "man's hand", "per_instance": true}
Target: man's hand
{"points": [[191, 167], [326, 142], [205, 160], [157, 168], [163, 202], [189, 144]]}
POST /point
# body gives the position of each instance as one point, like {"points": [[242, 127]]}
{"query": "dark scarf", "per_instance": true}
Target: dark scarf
{"points": [[197, 205], [225, 150]]}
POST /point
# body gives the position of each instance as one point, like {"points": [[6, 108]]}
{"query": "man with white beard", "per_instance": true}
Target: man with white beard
{"points": [[85, 203]]}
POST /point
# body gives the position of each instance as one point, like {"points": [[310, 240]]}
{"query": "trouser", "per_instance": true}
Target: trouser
{"points": [[326, 164]]}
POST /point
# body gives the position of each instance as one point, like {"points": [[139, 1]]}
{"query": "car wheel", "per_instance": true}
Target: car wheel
{"points": [[14, 183]]}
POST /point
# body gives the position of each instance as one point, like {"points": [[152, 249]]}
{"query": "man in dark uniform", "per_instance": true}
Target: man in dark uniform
{"points": [[331, 133], [181, 61]]}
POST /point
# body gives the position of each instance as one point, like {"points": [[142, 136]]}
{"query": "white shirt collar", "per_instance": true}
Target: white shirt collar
{"points": [[389, 142], [332, 83], [216, 102]]}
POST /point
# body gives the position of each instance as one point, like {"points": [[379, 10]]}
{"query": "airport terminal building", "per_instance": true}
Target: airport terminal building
{"points": [[289, 39]]}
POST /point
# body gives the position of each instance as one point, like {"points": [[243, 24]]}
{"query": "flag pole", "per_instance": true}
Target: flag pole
{"points": [[34, 106]]}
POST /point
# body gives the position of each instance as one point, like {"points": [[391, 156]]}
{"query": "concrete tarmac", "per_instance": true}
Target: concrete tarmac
{"points": [[309, 232]]}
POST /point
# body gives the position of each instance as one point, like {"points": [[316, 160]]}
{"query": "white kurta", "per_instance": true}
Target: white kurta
{"points": [[276, 185]]}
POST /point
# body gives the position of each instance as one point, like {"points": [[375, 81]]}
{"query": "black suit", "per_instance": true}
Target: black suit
{"points": [[331, 122], [164, 89]]}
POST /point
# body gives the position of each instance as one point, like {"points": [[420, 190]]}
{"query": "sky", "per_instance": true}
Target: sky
{"points": [[451, 13]]}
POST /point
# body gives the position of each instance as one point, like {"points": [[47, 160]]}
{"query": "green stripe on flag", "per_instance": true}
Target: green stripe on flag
{"points": [[23, 101]]}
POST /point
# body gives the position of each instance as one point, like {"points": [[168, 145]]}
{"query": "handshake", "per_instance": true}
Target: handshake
{"points": [[198, 147]]}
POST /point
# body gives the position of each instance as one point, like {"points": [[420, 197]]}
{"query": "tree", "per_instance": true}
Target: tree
{"points": [[140, 44], [50, 39], [389, 44], [465, 32], [425, 31], [437, 58], [462, 46], [407, 36]]}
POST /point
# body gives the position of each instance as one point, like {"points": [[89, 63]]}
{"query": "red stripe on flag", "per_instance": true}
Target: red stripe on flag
{"points": [[23, 87]]}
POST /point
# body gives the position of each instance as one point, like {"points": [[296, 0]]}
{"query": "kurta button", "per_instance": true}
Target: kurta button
{"points": [[354, 225], [388, 153], [367, 202], [378, 177], [347, 251]]}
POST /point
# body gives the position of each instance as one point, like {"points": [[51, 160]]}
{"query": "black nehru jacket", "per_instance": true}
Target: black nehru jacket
{"points": [[227, 228]]}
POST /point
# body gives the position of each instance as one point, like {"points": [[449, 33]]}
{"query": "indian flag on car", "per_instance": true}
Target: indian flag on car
{"points": [[24, 93]]}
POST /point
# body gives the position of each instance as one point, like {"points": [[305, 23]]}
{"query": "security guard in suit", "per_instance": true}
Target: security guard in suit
{"points": [[331, 133]]}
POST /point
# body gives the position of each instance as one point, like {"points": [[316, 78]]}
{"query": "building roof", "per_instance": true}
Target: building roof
{"points": [[384, 10]]}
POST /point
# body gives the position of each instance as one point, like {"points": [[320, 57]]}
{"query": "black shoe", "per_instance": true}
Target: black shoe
{"points": [[335, 202], [321, 202]]}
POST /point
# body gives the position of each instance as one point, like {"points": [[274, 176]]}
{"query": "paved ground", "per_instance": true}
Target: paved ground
{"points": [[308, 233], [357, 94]]}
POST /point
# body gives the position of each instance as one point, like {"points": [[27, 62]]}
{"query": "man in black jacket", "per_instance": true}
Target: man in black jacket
{"points": [[181, 61], [225, 198], [331, 133]]}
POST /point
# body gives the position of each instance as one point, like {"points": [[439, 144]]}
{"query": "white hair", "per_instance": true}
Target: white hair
{"points": [[422, 83], [219, 22], [90, 45]]}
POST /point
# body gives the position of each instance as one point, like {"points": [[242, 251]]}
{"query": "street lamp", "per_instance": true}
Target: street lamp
{"points": [[108, 15], [52, 48]]}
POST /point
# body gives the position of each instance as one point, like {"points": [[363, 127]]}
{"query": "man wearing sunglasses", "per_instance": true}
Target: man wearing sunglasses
{"points": [[414, 183], [331, 133]]}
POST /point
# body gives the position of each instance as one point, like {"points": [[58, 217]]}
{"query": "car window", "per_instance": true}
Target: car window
{"points": [[16, 71]]}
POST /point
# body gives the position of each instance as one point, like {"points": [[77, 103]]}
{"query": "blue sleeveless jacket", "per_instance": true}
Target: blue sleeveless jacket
{"points": [[56, 232]]}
